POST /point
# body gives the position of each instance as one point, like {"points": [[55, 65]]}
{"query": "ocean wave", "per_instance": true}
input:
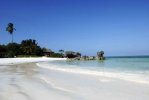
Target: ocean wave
{"points": [[118, 75]]}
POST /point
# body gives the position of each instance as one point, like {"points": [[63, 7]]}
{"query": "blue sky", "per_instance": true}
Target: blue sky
{"points": [[119, 27]]}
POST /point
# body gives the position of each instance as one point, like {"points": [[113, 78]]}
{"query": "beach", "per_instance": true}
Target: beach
{"points": [[40, 79], [74, 50]]}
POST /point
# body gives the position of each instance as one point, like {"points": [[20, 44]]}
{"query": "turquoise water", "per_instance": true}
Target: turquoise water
{"points": [[127, 68], [119, 64]]}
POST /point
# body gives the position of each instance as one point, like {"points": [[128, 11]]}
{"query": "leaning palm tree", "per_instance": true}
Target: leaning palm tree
{"points": [[10, 28]]}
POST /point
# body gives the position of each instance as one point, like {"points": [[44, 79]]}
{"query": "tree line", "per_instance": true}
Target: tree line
{"points": [[30, 47], [25, 48]]}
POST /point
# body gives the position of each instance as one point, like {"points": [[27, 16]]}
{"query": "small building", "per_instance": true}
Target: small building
{"points": [[47, 52]]}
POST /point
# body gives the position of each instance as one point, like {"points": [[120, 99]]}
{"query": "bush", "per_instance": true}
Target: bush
{"points": [[57, 55]]}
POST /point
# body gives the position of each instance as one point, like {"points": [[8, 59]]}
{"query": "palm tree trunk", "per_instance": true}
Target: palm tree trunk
{"points": [[12, 38]]}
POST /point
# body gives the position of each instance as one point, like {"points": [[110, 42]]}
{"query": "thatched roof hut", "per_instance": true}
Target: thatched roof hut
{"points": [[47, 52]]}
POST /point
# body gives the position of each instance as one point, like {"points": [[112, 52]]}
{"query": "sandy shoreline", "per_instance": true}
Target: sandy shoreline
{"points": [[10, 61], [27, 81]]}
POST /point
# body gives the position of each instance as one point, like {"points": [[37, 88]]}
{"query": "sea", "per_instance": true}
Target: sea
{"points": [[130, 68]]}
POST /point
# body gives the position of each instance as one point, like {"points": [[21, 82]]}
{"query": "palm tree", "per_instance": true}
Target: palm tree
{"points": [[10, 28]]}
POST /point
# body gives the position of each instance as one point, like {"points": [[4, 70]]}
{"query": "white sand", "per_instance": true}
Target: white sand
{"points": [[6, 61], [31, 82]]}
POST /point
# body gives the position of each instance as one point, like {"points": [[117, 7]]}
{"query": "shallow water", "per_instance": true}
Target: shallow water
{"points": [[123, 64], [137, 66]]}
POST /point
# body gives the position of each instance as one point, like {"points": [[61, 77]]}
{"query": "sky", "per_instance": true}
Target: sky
{"points": [[118, 27]]}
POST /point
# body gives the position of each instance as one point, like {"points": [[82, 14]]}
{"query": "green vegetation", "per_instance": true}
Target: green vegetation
{"points": [[26, 48], [3, 51], [13, 49], [72, 54], [30, 48], [57, 55]]}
